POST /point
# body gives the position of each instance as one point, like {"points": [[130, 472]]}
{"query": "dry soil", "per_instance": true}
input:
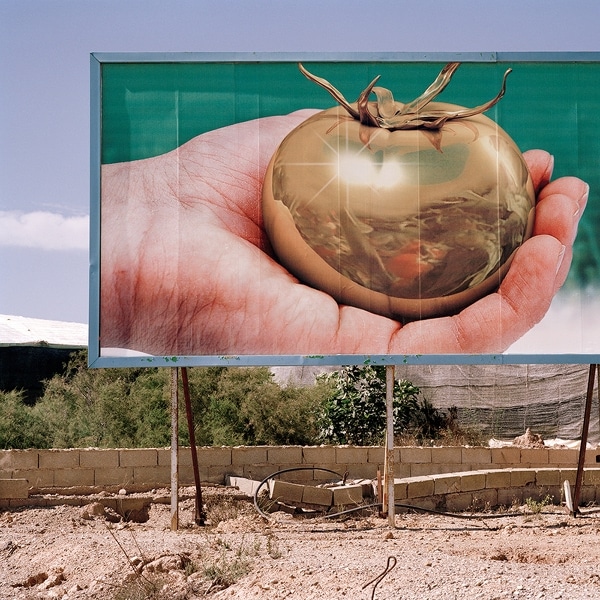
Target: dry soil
{"points": [[73, 552]]}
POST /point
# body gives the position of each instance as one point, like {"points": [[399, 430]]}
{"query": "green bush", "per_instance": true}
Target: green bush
{"points": [[131, 408], [355, 411], [20, 425]]}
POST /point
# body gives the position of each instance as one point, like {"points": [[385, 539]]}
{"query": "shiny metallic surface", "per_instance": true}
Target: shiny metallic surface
{"points": [[406, 223]]}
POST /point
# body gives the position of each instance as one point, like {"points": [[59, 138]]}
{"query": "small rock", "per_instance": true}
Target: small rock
{"points": [[122, 492], [388, 536], [35, 580], [112, 516], [56, 577], [89, 511]]}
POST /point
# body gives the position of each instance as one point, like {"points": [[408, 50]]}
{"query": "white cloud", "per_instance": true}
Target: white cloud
{"points": [[44, 230]]}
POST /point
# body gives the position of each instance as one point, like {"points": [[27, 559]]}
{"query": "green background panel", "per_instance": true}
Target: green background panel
{"points": [[151, 108]]}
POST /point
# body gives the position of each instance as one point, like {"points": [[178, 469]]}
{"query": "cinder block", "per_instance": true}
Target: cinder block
{"points": [[138, 457], [18, 459], [347, 494], [591, 477], [243, 455], [534, 456], [472, 481], [58, 459], [546, 477], [317, 495], [113, 476], [73, 477], [495, 479], [376, 454], [401, 470], [212, 475], [459, 502], [212, 456], [508, 496], [588, 494], [427, 503], [258, 472], [509, 455], [423, 469], [351, 455], [363, 471], [246, 486], [39, 478], [186, 475], [283, 491], [412, 454], [418, 487], [14, 488], [446, 455], [563, 456], [285, 455], [484, 499], [476, 456], [400, 490], [569, 475], [590, 457], [522, 477], [318, 455], [155, 476], [446, 484], [163, 456], [96, 458]]}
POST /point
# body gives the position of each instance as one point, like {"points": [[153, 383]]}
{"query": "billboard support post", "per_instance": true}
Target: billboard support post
{"points": [[174, 450], [584, 436], [199, 516], [389, 444]]}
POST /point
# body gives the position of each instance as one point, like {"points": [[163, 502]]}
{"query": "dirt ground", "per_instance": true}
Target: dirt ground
{"points": [[73, 552]]}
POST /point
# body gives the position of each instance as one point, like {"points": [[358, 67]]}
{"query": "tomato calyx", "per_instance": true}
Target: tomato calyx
{"points": [[394, 115]]}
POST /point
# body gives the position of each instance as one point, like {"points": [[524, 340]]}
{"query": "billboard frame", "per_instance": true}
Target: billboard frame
{"points": [[96, 359]]}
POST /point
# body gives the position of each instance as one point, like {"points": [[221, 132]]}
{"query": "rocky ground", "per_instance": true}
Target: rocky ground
{"points": [[74, 552]]}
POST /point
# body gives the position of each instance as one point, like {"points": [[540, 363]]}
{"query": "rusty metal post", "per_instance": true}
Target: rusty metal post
{"points": [[584, 437], [390, 376], [174, 450], [199, 516]]}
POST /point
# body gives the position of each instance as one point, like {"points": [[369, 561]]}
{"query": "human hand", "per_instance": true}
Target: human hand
{"points": [[187, 268]]}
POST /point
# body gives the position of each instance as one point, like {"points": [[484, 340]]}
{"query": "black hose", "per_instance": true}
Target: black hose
{"points": [[276, 474], [378, 505]]}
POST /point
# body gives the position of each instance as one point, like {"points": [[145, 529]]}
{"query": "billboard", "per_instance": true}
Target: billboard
{"points": [[293, 209]]}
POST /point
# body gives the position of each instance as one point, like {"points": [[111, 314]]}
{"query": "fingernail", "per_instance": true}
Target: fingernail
{"points": [[561, 256], [586, 193]]}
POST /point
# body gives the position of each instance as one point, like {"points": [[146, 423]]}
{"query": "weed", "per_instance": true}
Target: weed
{"points": [[536, 506], [225, 570], [142, 588], [221, 509]]}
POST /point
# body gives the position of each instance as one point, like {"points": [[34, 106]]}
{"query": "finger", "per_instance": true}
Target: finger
{"points": [[493, 323], [540, 164], [573, 187], [557, 215], [559, 209]]}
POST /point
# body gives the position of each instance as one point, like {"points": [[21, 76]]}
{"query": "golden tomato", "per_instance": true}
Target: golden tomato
{"points": [[406, 210]]}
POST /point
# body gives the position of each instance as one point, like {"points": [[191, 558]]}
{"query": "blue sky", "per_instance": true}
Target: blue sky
{"points": [[44, 94]]}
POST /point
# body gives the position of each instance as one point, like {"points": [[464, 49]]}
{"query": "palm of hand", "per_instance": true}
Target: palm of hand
{"points": [[222, 292]]}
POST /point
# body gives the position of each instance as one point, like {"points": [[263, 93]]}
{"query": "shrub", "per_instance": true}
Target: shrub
{"points": [[355, 411]]}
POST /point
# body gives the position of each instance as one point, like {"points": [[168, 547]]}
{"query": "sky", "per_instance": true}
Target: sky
{"points": [[45, 48]]}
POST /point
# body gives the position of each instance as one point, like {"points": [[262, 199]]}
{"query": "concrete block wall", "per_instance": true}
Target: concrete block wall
{"points": [[79, 471]]}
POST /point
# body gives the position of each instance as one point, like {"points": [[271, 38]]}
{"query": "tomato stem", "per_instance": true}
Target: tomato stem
{"points": [[393, 115]]}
